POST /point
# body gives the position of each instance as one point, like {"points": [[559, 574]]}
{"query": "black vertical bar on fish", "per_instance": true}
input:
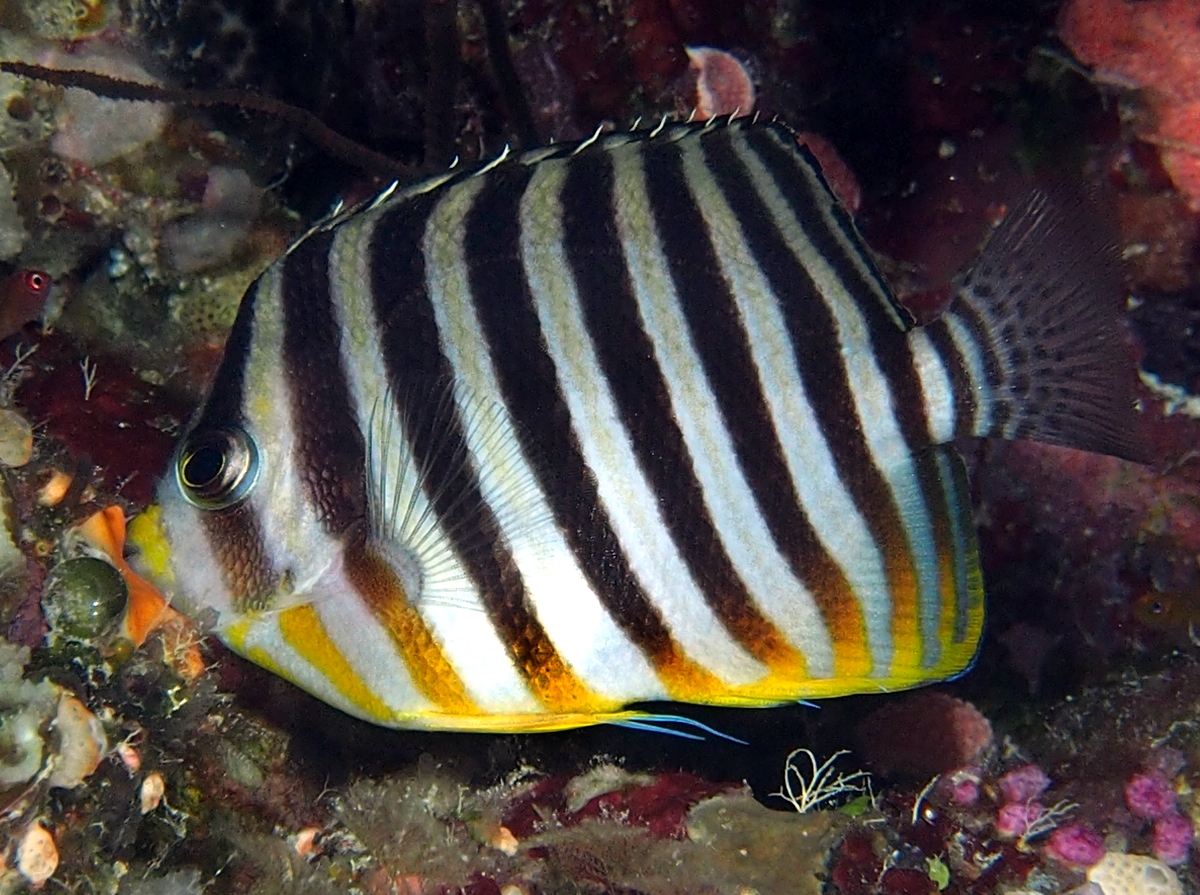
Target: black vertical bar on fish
{"points": [[955, 366], [952, 474], [418, 370], [627, 358], [224, 405], [329, 451], [235, 534], [715, 326], [534, 397], [994, 366]]}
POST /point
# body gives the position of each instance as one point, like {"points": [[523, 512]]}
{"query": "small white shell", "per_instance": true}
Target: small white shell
{"points": [[152, 791], [130, 757]]}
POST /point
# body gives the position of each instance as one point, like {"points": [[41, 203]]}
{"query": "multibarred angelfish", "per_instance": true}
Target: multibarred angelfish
{"points": [[631, 419]]}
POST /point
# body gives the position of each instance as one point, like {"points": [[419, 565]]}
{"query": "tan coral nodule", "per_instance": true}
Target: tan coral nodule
{"points": [[1122, 874], [37, 855], [82, 743], [55, 488], [16, 439]]}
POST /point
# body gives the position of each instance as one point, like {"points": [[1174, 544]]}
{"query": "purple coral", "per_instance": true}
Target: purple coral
{"points": [[1076, 845], [1172, 838], [1150, 795], [1024, 784]]}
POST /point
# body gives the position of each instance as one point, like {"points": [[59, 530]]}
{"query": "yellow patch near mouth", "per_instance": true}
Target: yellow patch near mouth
{"points": [[146, 532]]}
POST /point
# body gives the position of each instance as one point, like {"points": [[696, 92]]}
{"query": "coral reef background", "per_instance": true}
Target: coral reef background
{"points": [[138, 758]]}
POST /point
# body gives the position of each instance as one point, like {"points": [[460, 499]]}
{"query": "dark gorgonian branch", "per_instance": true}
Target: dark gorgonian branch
{"points": [[511, 92], [308, 124], [441, 42]]}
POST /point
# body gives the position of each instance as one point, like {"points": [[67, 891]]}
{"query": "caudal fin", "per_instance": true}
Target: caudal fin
{"points": [[1034, 334]]}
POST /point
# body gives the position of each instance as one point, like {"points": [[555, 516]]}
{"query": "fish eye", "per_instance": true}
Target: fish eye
{"points": [[36, 281], [217, 468]]}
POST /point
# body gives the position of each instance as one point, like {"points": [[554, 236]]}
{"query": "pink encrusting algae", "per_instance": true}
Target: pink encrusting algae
{"points": [[1153, 45]]}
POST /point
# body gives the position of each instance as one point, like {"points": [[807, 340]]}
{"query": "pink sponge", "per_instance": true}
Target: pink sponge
{"points": [[1077, 845], [1150, 795], [1024, 784], [961, 787], [1172, 839], [925, 733], [1015, 819]]}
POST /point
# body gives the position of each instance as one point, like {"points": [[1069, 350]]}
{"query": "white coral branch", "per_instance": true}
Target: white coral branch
{"points": [[1045, 821], [821, 785]]}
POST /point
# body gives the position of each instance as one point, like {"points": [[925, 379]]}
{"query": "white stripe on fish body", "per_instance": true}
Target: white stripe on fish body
{"points": [[973, 361], [624, 492], [292, 534], [357, 634], [727, 493], [831, 509], [444, 595], [585, 633], [259, 637], [872, 396], [207, 590], [936, 388]]}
